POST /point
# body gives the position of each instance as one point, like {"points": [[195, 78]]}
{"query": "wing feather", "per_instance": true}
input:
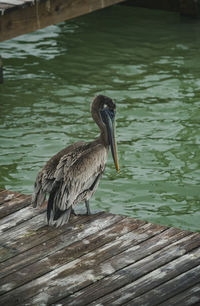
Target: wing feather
{"points": [[79, 175], [46, 177]]}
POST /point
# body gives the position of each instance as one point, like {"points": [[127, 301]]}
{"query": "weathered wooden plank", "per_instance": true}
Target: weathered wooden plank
{"points": [[14, 205], [15, 2], [86, 270], [70, 252], [20, 216], [84, 263], [105, 268], [165, 291], [135, 262], [187, 297], [35, 231], [7, 195], [131, 293], [15, 241], [30, 17], [70, 249], [80, 242], [100, 259]]}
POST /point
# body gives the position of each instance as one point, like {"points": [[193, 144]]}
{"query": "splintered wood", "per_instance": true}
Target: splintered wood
{"points": [[103, 259]]}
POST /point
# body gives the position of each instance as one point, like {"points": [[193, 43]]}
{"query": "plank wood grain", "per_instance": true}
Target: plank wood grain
{"points": [[119, 286], [103, 259], [12, 205], [175, 286], [76, 243], [189, 296]]}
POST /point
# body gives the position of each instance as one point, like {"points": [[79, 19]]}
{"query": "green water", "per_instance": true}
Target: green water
{"points": [[149, 62]]}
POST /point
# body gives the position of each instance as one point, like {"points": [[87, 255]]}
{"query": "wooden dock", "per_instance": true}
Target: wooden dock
{"points": [[19, 17], [103, 259]]}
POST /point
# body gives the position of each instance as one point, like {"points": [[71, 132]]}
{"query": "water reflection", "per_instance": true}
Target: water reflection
{"points": [[148, 62]]}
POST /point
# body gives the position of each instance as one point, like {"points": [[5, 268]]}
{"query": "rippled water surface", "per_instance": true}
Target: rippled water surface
{"points": [[148, 61]]}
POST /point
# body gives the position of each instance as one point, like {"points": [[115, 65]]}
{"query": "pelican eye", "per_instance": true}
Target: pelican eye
{"points": [[107, 114], [111, 113]]}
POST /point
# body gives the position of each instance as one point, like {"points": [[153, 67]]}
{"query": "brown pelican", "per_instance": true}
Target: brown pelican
{"points": [[72, 175]]}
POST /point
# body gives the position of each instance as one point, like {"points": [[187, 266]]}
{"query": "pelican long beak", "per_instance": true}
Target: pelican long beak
{"points": [[109, 120]]}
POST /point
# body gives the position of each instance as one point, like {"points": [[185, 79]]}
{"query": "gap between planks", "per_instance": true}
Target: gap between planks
{"points": [[115, 249]]}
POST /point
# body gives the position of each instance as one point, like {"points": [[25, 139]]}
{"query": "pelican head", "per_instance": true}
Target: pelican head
{"points": [[103, 111]]}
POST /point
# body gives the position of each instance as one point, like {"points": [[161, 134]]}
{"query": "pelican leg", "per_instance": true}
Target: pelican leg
{"points": [[88, 207]]}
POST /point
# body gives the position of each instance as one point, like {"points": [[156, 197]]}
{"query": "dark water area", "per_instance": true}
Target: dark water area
{"points": [[148, 62]]}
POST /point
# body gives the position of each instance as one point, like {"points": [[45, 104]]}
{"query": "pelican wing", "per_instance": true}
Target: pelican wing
{"points": [[46, 177], [76, 179]]}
